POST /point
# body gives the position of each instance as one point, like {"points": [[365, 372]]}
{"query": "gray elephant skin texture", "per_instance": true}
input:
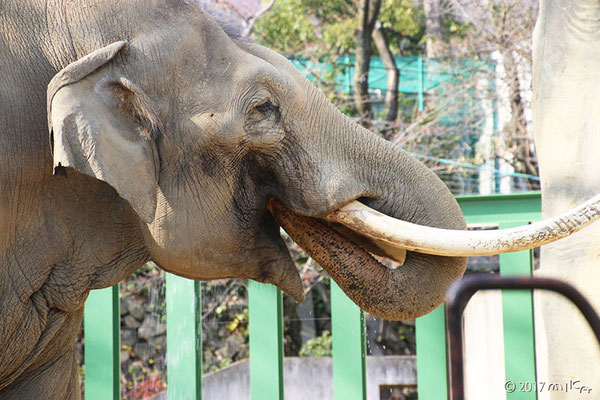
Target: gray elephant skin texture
{"points": [[133, 131]]}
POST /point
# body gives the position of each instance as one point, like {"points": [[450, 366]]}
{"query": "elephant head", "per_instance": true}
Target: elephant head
{"points": [[199, 131]]}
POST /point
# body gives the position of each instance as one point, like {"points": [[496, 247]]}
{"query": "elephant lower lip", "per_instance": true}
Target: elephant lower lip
{"points": [[293, 222], [300, 228], [323, 243], [353, 268]]}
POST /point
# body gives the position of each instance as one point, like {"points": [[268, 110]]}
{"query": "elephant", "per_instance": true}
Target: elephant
{"points": [[136, 131]]}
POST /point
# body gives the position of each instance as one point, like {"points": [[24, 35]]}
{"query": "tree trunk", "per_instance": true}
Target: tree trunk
{"points": [[391, 95], [434, 28], [367, 15]]}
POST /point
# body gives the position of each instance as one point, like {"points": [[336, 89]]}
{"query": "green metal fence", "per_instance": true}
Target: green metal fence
{"points": [[102, 341]]}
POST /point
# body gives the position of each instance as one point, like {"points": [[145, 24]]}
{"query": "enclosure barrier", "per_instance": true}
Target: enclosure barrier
{"points": [[461, 292], [102, 337]]}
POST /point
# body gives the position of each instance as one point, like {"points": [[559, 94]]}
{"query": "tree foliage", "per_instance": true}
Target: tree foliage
{"points": [[489, 39], [315, 29]]}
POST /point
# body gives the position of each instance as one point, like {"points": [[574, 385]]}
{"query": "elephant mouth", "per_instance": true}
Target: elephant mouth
{"points": [[348, 263], [329, 228], [324, 238]]}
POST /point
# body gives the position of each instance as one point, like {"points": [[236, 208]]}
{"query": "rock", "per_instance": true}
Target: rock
{"points": [[143, 350], [128, 336], [124, 356], [209, 358], [136, 310], [130, 322], [158, 342], [152, 307], [124, 303], [151, 327], [232, 346], [159, 361]]}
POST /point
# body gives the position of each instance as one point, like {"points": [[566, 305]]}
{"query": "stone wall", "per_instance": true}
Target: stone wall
{"points": [[310, 378]]}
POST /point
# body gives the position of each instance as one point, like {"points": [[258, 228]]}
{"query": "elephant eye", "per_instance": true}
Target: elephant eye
{"points": [[267, 107], [262, 119]]}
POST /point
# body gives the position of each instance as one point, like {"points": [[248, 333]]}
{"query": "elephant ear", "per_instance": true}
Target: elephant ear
{"points": [[104, 126]]}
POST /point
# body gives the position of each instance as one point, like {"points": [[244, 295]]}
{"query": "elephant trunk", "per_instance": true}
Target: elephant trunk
{"points": [[396, 184]]}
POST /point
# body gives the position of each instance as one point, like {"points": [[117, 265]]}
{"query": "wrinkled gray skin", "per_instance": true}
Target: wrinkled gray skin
{"points": [[166, 143]]}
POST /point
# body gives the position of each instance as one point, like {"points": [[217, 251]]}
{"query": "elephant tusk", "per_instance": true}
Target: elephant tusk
{"points": [[445, 242]]}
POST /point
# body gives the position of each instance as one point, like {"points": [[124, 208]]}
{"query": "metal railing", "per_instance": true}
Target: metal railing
{"points": [[461, 292], [102, 336]]}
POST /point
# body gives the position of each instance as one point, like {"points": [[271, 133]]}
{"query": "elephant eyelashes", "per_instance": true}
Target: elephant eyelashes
{"points": [[269, 111], [267, 107]]}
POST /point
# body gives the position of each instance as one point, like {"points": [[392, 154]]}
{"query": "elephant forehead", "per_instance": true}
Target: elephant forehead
{"points": [[186, 49]]}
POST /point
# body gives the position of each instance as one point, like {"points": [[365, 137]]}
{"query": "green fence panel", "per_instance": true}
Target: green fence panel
{"points": [[519, 335], [416, 76], [266, 341], [349, 347], [102, 338], [432, 378], [498, 208], [184, 338], [102, 345]]}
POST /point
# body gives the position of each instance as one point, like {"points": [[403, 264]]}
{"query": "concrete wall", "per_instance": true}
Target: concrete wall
{"points": [[310, 378], [484, 347]]}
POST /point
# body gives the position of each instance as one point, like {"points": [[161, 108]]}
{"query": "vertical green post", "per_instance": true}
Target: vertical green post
{"points": [[102, 345], [349, 347], [432, 378], [517, 314], [495, 131], [266, 341], [184, 338], [421, 78]]}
